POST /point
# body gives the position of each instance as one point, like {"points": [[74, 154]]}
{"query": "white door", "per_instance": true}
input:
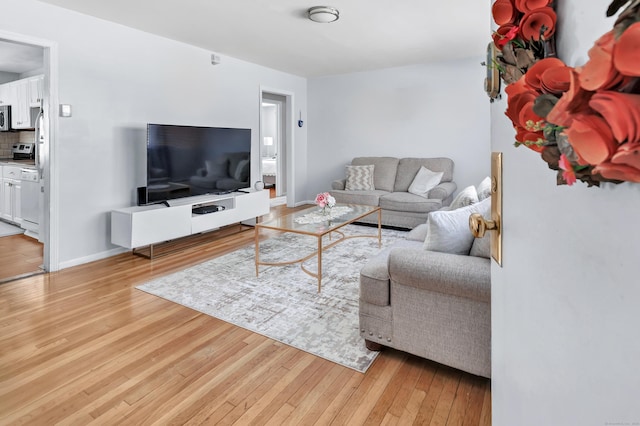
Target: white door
{"points": [[566, 303]]}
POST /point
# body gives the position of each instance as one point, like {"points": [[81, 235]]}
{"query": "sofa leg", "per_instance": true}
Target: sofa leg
{"points": [[373, 346]]}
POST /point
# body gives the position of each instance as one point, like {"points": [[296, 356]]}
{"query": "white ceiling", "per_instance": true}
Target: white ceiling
{"points": [[370, 34], [18, 58]]}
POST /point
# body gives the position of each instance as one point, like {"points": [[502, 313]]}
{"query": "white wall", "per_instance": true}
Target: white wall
{"points": [[565, 316], [431, 110], [117, 79]]}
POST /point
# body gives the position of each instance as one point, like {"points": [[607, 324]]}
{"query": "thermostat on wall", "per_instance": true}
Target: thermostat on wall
{"points": [[65, 110]]}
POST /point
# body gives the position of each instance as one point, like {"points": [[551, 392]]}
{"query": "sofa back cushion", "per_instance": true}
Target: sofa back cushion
{"points": [[384, 171], [409, 167]]}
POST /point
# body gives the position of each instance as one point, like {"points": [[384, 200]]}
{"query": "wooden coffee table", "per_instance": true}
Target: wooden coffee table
{"points": [[291, 223]]}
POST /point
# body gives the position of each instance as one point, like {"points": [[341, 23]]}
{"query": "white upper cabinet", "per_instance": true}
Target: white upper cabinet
{"points": [[20, 113], [22, 95], [7, 94], [36, 90]]}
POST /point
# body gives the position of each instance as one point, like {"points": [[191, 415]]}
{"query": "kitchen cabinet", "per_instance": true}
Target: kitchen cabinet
{"points": [[11, 192], [23, 95], [36, 90], [7, 94], [20, 110]]}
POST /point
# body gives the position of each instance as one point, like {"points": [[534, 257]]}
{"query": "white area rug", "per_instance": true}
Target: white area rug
{"points": [[7, 229], [283, 303]]}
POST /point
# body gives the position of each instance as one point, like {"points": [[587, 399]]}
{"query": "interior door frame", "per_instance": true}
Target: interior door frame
{"points": [[50, 228], [287, 137]]}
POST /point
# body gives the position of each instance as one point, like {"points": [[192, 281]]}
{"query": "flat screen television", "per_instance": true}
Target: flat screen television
{"points": [[183, 161]]}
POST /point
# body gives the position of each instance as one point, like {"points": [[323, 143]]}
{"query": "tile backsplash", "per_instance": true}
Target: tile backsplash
{"points": [[7, 139]]}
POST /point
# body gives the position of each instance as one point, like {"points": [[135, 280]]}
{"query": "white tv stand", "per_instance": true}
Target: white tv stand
{"points": [[141, 226]]}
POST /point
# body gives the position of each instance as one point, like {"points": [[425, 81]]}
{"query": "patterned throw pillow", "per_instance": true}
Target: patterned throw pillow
{"points": [[360, 178]]}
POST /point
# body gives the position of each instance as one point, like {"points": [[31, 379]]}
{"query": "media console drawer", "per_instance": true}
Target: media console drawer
{"points": [[142, 226]]}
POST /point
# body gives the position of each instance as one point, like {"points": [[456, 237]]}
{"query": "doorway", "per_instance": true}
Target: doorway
{"points": [[25, 82], [276, 144]]}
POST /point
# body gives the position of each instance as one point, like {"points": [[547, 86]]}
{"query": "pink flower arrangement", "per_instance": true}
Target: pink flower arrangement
{"points": [[324, 199]]}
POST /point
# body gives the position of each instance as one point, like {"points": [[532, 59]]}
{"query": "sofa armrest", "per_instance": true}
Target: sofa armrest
{"points": [[454, 274], [338, 184], [443, 190]]}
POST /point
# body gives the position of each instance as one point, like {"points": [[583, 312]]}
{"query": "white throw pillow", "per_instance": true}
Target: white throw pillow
{"points": [[484, 188], [360, 178], [466, 197], [425, 181], [448, 231]]}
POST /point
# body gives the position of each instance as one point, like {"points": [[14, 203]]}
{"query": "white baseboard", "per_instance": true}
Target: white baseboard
{"points": [[92, 258]]}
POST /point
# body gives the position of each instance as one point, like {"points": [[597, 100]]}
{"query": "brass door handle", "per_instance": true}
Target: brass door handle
{"points": [[479, 225]]}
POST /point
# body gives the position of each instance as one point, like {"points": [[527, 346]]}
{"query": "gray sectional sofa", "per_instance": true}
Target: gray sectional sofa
{"points": [[392, 178], [433, 304]]}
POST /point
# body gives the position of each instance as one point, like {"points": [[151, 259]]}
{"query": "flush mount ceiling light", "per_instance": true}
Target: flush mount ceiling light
{"points": [[323, 14]]}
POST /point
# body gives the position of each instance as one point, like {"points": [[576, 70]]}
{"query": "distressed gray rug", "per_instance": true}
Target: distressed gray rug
{"points": [[283, 303]]}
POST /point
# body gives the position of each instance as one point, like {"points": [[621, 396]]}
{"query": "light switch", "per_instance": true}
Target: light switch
{"points": [[65, 110]]}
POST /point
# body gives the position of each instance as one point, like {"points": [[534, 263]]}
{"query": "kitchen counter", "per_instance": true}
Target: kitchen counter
{"points": [[12, 162]]}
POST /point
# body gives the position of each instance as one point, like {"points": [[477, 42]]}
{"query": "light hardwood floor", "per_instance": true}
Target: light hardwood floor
{"points": [[84, 346], [19, 255]]}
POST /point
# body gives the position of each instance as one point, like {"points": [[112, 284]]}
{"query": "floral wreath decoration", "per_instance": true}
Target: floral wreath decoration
{"points": [[584, 121]]}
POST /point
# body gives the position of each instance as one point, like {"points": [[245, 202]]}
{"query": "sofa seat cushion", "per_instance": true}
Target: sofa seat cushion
{"points": [[368, 198], [374, 276], [407, 202], [463, 276]]}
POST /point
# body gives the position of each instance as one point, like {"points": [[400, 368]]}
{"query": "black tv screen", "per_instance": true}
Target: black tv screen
{"points": [[188, 160]]}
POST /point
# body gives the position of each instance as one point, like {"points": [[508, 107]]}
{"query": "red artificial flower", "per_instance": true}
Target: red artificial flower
{"points": [[534, 73], [525, 6], [531, 140], [568, 173], [515, 105], [556, 80], [617, 172], [532, 22], [628, 154], [591, 138], [621, 111], [599, 73], [626, 52], [504, 35], [573, 101], [504, 12]]}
